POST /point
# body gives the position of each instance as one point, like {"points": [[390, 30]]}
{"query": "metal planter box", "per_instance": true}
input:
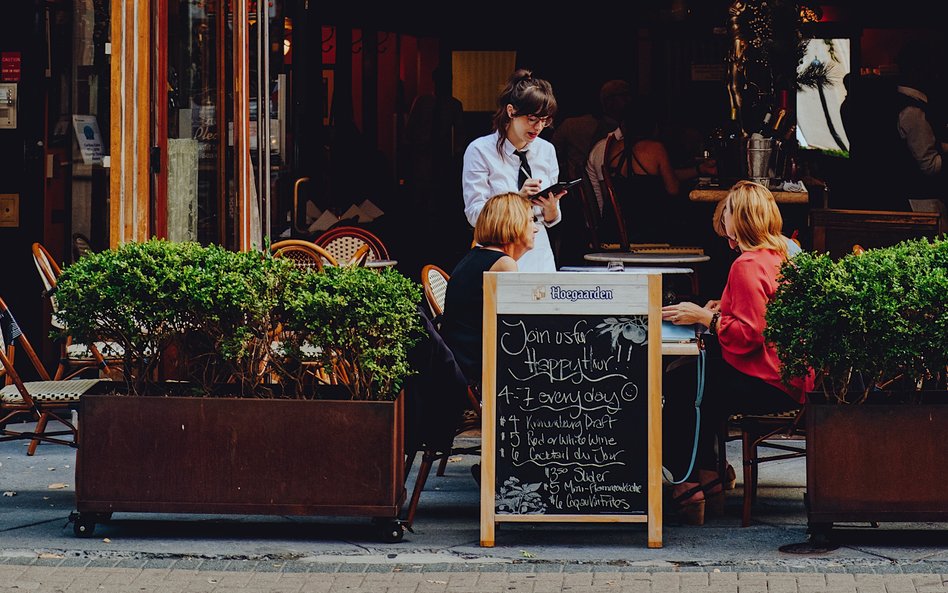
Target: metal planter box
{"points": [[874, 462], [240, 456]]}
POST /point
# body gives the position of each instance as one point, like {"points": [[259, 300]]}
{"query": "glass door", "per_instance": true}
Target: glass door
{"points": [[189, 158], [271, 27], [195, 144]]}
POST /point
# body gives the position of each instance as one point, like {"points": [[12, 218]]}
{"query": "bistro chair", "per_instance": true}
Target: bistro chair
{"points": [[37, 401], [344, 241], [434, 281], [74, 358], [611, 199], [360, 256], [442, 406], [304, 254], [783, 432], [590, 216]]}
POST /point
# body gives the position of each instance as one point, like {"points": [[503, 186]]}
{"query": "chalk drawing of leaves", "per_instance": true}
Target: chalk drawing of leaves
{"points": [[633, 329], [519, 499]]}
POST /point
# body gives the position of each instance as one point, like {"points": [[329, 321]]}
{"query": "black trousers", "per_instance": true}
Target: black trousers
{"points": [[727, 391]]}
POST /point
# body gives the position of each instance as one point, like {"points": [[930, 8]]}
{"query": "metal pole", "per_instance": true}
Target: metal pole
{"points": [[263, 117]]}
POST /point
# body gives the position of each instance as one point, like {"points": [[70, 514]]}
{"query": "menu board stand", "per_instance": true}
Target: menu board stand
{"points": [[572, 424]]}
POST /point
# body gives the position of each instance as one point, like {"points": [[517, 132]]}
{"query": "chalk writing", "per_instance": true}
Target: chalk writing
{"points": [[571, 414]]}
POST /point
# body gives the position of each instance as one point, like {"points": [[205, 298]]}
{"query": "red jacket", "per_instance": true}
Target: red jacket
{"points": [[751, 283]]}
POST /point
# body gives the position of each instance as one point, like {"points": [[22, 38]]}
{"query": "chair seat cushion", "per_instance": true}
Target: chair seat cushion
{"points": [[49, 391]]}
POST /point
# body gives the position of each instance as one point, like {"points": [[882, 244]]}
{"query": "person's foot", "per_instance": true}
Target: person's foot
{"points": [[710, 482], [713, 488], [687, 503]]}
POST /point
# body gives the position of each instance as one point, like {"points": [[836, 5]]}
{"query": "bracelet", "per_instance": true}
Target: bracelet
{"points": [[713, 326]]}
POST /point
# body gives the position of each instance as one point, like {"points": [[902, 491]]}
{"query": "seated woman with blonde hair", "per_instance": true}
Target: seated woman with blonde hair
{"points": [[504, 231], [745, 376]]}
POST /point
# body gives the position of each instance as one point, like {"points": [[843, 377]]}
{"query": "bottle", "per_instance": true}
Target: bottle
{"points": [[731, 161], [778, 123], [766, 130]]}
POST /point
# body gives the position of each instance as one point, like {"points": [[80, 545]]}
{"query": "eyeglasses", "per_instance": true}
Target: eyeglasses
{"points": [[533, 120]]}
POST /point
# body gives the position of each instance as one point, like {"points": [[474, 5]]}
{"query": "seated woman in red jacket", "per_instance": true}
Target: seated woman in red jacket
{"points": [[746, 378]]}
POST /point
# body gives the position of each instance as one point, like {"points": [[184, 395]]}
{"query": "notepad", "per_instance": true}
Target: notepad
{"points": [[678, 333]]}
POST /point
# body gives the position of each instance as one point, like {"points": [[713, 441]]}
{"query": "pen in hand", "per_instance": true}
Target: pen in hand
{"points": [[525, 172]]}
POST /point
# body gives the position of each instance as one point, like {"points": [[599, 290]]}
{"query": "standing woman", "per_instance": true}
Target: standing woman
{"points": [[513, 158]]}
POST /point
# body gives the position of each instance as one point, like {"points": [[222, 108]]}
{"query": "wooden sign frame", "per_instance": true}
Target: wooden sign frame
{"points": [[533, 293]]}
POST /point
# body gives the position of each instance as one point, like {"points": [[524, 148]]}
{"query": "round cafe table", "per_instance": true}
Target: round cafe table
{"points": [[652, 259]]}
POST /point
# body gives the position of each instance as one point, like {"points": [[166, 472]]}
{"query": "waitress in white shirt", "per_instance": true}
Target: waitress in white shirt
{"points": [[514, 158]]}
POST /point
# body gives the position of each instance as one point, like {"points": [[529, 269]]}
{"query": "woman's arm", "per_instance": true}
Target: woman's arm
{"points": [[665, 170], [740, 327], [475, 186]]}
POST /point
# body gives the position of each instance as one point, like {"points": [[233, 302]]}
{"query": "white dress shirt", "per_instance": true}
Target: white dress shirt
{"points": [[488, 172], [917, 132]]}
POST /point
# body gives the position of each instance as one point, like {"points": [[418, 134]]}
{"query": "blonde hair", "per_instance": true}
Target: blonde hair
{"points": [[505, 219], [755, 217]]}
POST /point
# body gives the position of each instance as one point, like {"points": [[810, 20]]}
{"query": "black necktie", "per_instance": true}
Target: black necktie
{"points": [[524, 173]]}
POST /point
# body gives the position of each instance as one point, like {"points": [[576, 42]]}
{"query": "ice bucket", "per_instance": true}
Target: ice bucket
{"points": [[760, 159]]}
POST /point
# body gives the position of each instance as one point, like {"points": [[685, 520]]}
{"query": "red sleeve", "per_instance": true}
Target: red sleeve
{"points": [[740, 327]]}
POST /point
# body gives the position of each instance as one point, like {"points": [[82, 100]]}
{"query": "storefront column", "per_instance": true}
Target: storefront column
{"points": [[131, 117]]}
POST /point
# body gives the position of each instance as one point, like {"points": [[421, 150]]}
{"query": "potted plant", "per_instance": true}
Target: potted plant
{"points": [[356, 324], [242, 429], [873, 327]]}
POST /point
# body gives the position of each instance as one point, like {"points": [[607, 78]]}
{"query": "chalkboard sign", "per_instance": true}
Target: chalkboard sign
{"points": [[572, 389], [572, 414]]}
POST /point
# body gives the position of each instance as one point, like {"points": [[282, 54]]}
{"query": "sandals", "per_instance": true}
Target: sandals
{"points": [[730, 477], [715, 489], [693, 512], [714, 495], [689, 512]]}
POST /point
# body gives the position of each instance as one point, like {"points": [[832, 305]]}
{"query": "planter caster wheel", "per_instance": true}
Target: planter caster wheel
{"points": [[391, 531], [84, 525]]}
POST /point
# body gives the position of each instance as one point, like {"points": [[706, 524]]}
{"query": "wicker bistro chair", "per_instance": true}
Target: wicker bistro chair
{"points": [[434, 280], [441, 405], [74, 358], [39, 401], [344, 241], [304, 254]]}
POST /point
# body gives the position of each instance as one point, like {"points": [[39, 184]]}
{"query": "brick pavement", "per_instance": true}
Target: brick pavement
{"points": [[193, 575]]}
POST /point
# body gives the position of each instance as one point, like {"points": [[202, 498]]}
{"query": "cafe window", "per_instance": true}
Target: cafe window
{"points": [[822, 74]]}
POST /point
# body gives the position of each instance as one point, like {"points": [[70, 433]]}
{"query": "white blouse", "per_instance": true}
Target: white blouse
{"points": [[488, 172]]}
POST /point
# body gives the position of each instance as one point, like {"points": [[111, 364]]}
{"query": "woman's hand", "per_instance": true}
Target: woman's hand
{"points": [[531, 187], [549, 203], [713, 305], [686, 314]]}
